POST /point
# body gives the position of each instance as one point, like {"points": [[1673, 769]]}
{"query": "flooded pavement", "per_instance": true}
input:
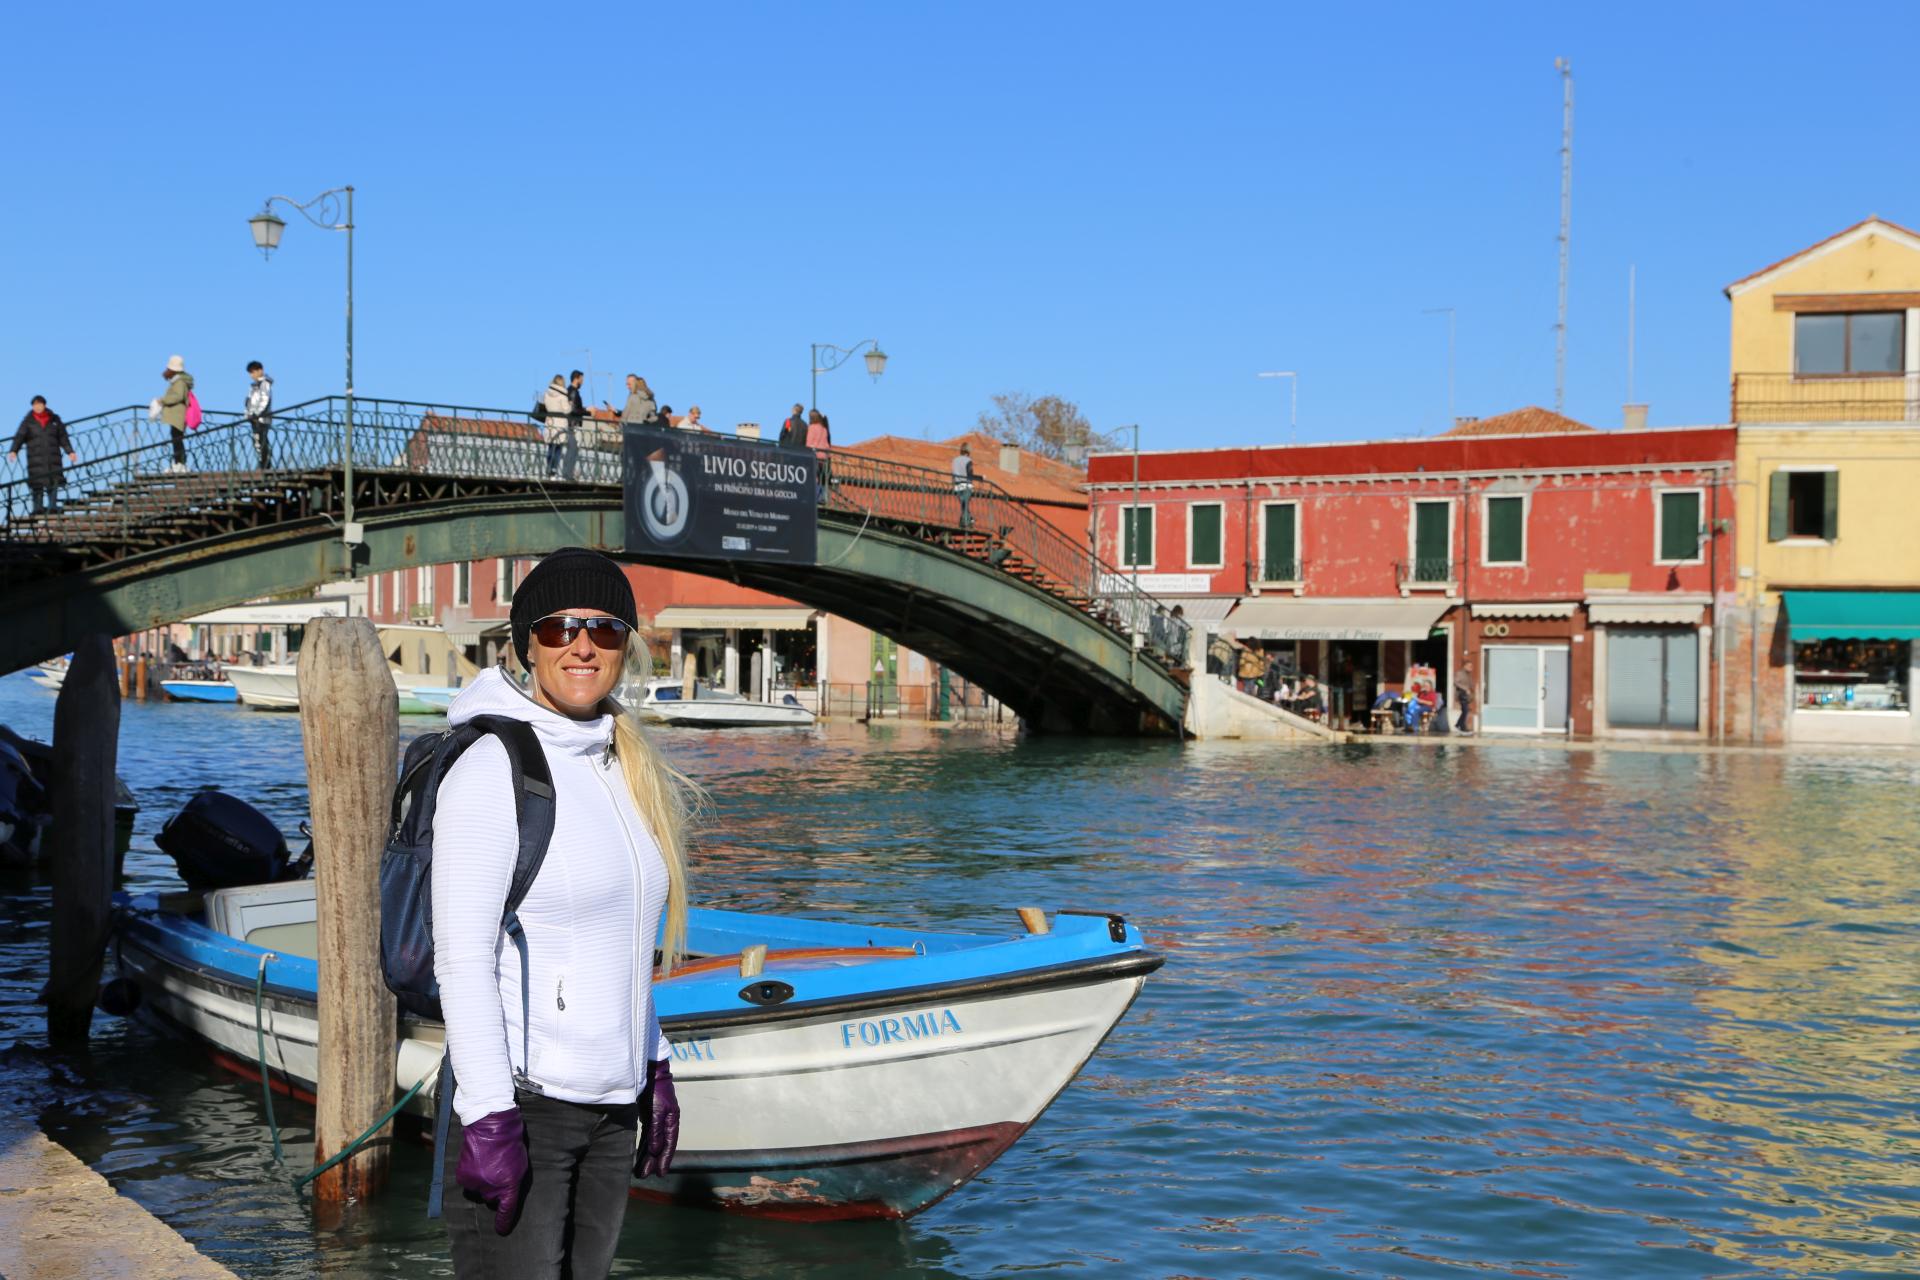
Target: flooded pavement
{"points": [[1520, 1012]]}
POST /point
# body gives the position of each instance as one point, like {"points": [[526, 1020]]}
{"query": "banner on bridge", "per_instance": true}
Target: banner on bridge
{"points": [[710, 497]]}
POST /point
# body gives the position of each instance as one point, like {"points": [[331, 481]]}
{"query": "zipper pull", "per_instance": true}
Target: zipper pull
{"points": [[560, 993]]}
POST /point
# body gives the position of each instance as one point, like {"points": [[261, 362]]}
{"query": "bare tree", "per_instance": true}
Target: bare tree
{"points": [[1048, 425]]}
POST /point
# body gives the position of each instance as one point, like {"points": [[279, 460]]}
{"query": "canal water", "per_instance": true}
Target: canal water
{"points": [[1426, 1012]]}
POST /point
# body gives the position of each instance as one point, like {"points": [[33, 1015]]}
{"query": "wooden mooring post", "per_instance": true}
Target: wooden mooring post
{"points": [[86, 748], [349, 721]]}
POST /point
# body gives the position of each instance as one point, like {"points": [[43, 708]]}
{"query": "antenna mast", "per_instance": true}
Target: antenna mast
{"points": [[1565, 68]]}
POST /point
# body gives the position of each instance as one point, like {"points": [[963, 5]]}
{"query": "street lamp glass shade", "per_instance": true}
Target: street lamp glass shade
{"points": [[876, 361], [267, 227]]}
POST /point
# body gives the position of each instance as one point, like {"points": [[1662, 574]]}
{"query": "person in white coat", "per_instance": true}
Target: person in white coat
{"points": [[558, 1109]]}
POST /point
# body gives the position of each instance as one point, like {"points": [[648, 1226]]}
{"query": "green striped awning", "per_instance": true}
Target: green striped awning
{"points": [[1853, 615]]}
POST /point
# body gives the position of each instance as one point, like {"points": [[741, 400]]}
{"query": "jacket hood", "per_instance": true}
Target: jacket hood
{"points": [[492, 693]]}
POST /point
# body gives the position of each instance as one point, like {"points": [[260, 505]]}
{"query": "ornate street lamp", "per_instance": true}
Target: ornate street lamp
{"points": [[324, 211], [837, 356]]}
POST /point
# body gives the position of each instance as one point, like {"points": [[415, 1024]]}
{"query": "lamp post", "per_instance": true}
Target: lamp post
{"points": [[1293, 414], [323, 211], [837, 356]]}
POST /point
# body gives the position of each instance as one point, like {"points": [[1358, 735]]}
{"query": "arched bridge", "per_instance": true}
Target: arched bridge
{"points": [[1005, 600]]}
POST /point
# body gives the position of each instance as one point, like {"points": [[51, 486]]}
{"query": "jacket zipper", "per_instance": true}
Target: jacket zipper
{"points": [[639, 888]]}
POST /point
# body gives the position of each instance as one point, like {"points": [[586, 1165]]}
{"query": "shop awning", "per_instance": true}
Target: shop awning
{"points": [[1290, 618], [291, 614], [472, 631], [1853, 615], [1200, 610], [1525, 609], [1670, 613], [747, 618]]}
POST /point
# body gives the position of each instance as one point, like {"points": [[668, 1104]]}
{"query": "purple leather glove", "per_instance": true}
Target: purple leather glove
{"points": [[493, 1164], [659, 1123]]}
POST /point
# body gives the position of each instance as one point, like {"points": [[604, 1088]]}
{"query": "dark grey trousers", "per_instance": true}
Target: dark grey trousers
{"points": [[582, 1160]]}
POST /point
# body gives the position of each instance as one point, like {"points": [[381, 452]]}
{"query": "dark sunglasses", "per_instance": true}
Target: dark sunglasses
{"points": [[557, 630]]}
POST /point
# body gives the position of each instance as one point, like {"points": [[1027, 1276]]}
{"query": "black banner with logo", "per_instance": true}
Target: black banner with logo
{"points": [[710, 497]]}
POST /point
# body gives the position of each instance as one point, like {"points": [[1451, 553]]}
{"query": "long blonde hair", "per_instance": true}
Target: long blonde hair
{"points": [[666, 799]]}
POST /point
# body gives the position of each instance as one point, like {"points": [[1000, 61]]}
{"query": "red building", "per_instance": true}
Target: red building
{"points": [[1568, 576]]}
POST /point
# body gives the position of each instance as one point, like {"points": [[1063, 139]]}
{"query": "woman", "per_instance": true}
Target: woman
{"points": [[548, 1112], [820, 440], [640, 409], [558, 402], [44, 436], [173, 407]]}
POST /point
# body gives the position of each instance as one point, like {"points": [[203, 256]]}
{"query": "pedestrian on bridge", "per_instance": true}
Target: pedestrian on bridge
{"points": [[559, 435], [260, 410], [793, 432], [173, 407], [640, 408], [963, 484], [44, 436]]}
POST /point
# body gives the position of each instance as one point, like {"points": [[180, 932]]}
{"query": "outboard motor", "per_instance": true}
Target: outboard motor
{"points": [[219, 841], [23, 807]]}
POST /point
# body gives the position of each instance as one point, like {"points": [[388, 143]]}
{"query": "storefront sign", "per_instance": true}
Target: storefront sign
{"points": [[717, 497], [1311, 633], [1157, 584]]}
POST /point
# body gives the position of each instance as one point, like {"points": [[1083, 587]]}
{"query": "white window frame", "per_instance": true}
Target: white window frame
{"points": [[1221, 563], [379, 595], [1299, 537], [463, 583], [503, 582], [1660, 517], [1153, 537], [423, 585], [1486, 530], [1413, 538]]}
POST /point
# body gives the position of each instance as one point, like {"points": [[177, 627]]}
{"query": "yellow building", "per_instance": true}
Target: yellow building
{"points": [[1826, 395]]}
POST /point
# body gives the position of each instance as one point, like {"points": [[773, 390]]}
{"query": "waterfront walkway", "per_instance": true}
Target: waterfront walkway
{"points": [[59, 1220]]}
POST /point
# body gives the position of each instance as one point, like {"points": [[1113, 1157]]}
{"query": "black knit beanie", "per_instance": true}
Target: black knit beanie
{"points": [[570, 578]]}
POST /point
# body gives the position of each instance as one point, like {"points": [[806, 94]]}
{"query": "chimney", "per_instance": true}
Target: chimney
{"points": [[1010, 459], [1465, 418], [748, 431], [1635, 417]]}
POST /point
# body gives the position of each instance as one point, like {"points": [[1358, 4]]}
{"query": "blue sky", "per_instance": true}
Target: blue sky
{"points": [[1138, 208]]}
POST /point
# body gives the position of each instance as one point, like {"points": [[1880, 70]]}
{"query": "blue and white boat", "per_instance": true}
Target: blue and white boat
{"points": [[200, 690], [865, 1072]]}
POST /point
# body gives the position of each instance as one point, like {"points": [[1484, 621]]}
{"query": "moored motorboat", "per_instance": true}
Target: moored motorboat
{"points": [[275, 687], [50, 675], [665, 702], [200, 690], [866, 1072], [26, 810]]}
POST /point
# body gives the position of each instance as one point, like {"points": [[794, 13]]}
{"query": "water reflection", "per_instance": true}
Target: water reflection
{"points": [[1520, 1011]]}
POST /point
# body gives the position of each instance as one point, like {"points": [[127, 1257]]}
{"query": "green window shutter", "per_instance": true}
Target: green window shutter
{"points": [[1830, 507], [1206, 534], [1776, 506], [1430, 532], [1679, 526], [1138, 539], [1506, 530], [1281, 545]]}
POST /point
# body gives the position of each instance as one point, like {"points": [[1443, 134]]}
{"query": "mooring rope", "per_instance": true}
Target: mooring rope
{"points": [[266, 1090]]}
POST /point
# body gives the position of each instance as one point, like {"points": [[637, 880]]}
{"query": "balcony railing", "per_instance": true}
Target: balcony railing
{"points": [[1424, 571], [1791, 397], [1282, 571]]}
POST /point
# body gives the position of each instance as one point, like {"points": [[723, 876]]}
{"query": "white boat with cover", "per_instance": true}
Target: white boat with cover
{"points": [[417, 657], [665, 702], [865, 1072]]}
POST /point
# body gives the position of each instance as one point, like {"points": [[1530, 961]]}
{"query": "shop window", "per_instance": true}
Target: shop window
{"points": [[1136, 549], [1861, 343], [1852, 675], [1803, 504], [1677, 526], [1507, 530], [1653, 679], [1204, 535], [1280, 542]]}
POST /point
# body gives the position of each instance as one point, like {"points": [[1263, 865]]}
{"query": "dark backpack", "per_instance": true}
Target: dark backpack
{"points": [[539, 411], [406, 879]]}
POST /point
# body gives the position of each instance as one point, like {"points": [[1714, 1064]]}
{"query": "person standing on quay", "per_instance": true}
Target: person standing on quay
{"points": [[963, 484], [557, 1115], [44, 436], [1463, 697], [173, 407], [260, 410]]}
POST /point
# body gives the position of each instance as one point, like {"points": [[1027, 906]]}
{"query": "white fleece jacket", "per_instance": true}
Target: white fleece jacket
{"points": [[590, 918]]}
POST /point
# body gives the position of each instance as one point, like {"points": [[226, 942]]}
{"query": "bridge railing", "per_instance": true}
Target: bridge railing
{"points": [[123, 482], [1007, 527]]}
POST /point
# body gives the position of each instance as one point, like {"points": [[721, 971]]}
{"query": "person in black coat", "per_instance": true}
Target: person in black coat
{"points": [[44, 436]]}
